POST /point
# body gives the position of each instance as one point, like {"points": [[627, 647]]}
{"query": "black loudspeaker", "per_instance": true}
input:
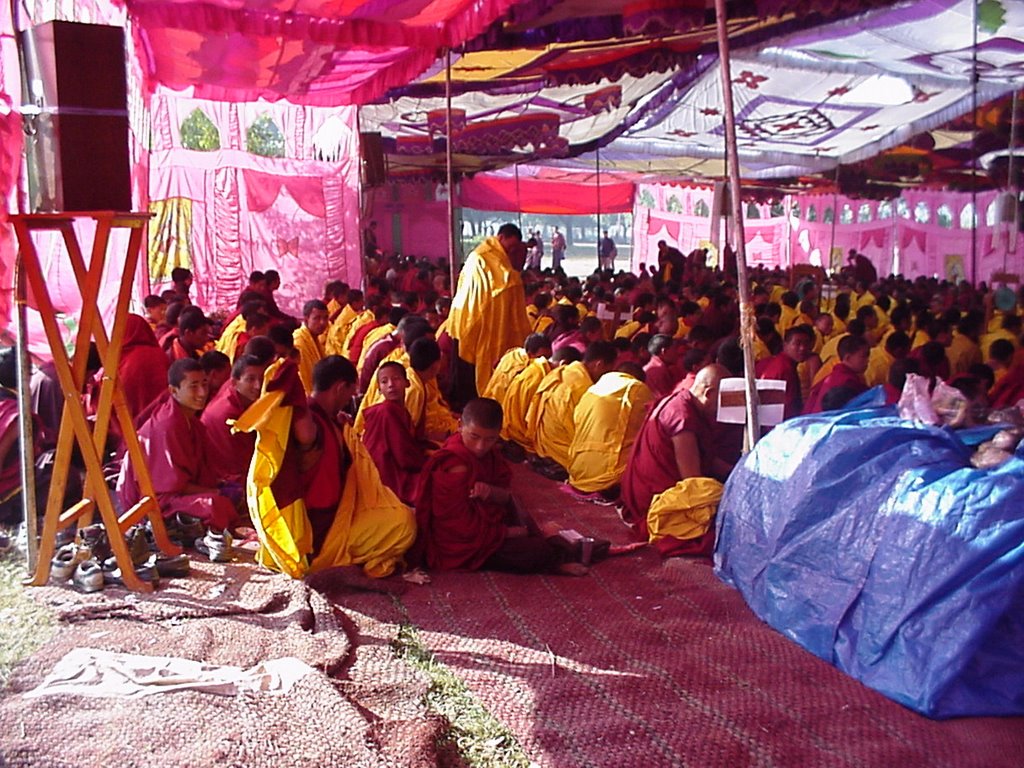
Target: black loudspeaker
{"points": [[375, 170], [75, 76]]}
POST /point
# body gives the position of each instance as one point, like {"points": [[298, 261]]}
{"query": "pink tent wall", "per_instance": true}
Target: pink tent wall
{"points": [[410, 219]]}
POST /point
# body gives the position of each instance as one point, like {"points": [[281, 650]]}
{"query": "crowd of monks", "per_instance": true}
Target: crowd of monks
{"points": [[376, 429]]}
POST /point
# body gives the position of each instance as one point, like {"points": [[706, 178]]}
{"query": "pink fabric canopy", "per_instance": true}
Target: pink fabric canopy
{"points": [[312, 53], [547, 190]]}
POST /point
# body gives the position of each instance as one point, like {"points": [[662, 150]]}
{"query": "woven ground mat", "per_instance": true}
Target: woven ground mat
{"points": [[656, 663], [362, 706]]}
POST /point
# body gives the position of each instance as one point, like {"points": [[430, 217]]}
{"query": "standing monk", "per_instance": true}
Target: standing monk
{"points": [[488, 314]]}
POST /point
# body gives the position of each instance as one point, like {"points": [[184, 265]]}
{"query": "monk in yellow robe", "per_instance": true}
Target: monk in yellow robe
{"points": [[552, 410], [608, 418], [342, 324], [881, 358], [513, 361], [314, 493], [516, 404], [488, 314], [964, 350], [306, 338]]}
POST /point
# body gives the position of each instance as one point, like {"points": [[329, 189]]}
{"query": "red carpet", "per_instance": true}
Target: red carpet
{"points": [[651, 663]]}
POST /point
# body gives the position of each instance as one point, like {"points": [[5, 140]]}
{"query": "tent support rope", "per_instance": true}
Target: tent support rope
{"points": [[450, 174]]}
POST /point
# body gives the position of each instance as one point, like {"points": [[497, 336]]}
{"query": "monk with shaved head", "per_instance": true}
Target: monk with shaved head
{"points": [[676, 443]]}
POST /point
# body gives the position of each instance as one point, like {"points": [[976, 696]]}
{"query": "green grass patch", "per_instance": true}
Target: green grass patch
{"points": [[26, 624], [474, 733]]}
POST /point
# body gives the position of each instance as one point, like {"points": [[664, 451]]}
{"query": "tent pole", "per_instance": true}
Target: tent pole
{"points": [[835, 215], [28, 475], [598, 209], [519, 202], [1011, 183], [746, 308], [974, 140], [452, 265]]}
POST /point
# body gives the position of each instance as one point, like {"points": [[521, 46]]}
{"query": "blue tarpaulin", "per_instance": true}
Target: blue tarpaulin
{"points": [[873, 543]]}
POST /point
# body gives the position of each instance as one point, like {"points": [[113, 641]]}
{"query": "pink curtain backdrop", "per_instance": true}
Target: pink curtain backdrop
{"points": [[296, 214]]}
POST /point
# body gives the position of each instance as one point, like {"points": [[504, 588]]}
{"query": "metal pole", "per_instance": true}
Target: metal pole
{"points": [[450, 173], [28, 475], [732, 153]]}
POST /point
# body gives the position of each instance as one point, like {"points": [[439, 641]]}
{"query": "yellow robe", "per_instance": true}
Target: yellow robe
{"points": [[364, 317], [228, 341], [422, 399], [338, 330], [962, 353], [372, 338], [511, 363], [608, 418], [371, 527], [790, 316], [1000, 333], [627, 329], [550, 417], [829, 357], [310, 353], [684, 511], [879, 363], [488, 314], [517, 401]]}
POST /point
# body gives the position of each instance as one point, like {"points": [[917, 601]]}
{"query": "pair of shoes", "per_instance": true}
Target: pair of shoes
{"points": [[111, 573], [216, 546], [138, 540], [191, 527], [88, 576], [93, 539], [171, 566], [64, 563]]}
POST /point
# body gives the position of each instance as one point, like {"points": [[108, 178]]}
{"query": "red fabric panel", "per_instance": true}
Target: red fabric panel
{"points": [[489, 193]]}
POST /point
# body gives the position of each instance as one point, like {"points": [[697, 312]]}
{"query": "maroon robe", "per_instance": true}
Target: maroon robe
{"points": [[453, 530], [652, 463], [840, 376], [230, 454], [782, 367], [389, 437], [143, 367], [175, 446], [355, 347], [374, 357], [10, 472], [660, 377]]}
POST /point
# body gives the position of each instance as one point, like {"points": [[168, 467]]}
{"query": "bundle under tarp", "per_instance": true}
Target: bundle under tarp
{"points": [[873, 543]]}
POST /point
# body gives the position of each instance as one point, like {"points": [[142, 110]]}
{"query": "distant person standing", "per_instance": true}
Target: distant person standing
{"points": [[607, 252], [557, 249], [539, 238], [370, 247]]}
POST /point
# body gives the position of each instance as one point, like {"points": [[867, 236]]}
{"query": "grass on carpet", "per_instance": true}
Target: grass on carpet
{"points": [[480, 739], [26, 624]]}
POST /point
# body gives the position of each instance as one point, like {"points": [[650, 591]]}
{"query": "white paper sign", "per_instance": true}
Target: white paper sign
{"points": [[732, 401]]}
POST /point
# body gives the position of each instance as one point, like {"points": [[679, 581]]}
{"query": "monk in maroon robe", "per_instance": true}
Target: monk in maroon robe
{"points": [[662, 372], [796, 348], [143, 367], [464, 516], [848, 372], [175, 445], [390, 437], [230, 453], [676, 441]]}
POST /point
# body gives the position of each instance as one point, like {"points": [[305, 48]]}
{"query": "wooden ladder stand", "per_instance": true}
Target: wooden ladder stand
{"points": [[74, 426]]}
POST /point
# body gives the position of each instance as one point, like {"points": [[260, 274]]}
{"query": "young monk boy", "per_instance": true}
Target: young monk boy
{"points": [[464, 513], [389, 434]]}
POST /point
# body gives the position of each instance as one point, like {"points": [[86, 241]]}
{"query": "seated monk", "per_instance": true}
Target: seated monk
{"points": [[232, 451], [190, 338], [376, 334], [551, 413], [389, 435], [176, 449], [315, 496], [465, 518], [374, 316], [352, 313], [307, 339], [848, 372], [671, 488], [513, 362], [142, 370], [607, 418], [662, 372], [218, 370], [519, 395], [389, 348], [796, 349]]}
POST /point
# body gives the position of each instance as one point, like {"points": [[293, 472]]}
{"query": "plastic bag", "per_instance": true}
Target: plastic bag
{"points": [[916, 401]]}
